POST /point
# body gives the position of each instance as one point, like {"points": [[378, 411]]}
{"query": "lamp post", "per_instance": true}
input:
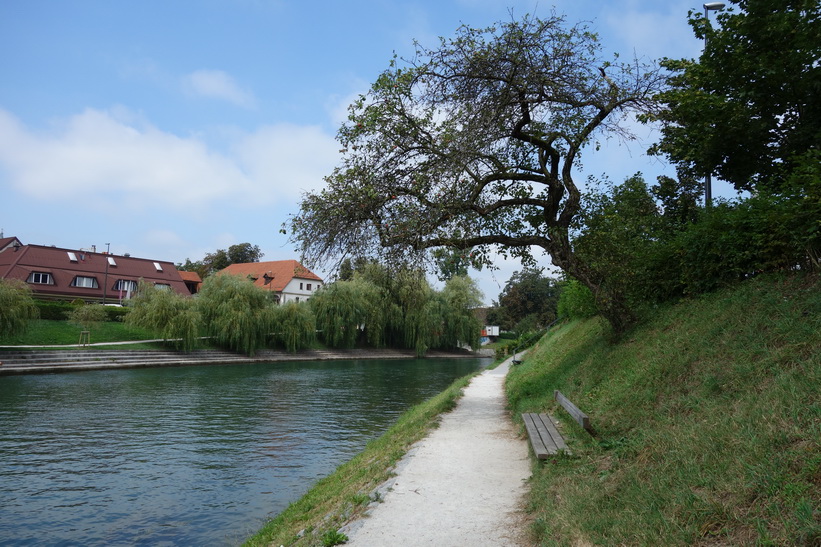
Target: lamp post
{"points": [[105, 281], [708, 190]]}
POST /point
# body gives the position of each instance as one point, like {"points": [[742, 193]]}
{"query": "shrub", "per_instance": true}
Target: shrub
{"points": [[16, 307]]}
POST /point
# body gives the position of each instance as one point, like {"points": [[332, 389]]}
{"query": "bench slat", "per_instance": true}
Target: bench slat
{"points": [[572, 409], [544, 437]]}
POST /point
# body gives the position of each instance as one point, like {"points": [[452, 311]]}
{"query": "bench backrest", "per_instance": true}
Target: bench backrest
{"points": [[572, 409]]}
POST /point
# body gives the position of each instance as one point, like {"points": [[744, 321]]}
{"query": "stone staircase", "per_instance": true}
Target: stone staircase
{"points": [[40, 361]]}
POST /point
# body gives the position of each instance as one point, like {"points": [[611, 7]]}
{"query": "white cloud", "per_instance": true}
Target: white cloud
{"points": [[113, 159], [287, 160], [216, 84]]}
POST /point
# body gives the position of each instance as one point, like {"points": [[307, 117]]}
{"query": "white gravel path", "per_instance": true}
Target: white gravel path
{"points": [[461, 485]]}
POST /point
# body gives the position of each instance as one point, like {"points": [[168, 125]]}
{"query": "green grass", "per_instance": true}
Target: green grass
{"points": [[345, 494], [49, 332], [707, 419]]}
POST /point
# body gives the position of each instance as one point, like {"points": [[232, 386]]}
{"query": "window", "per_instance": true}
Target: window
{"points": [[163, 286], [125, 285], [71, 256], [40, 278], [309, 286], [300, 286], [157, 265], [111, 261], [85, 282]]}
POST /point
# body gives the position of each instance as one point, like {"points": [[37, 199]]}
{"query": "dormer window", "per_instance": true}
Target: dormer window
{"points": [[40, 278], [85, 282]]}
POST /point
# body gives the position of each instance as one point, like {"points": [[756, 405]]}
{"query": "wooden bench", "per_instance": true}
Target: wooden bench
{"points": [[573, 410], [541, 428], [544, 437]]}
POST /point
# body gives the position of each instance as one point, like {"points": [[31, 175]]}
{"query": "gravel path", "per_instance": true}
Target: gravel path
{"points": [[461, 485]]}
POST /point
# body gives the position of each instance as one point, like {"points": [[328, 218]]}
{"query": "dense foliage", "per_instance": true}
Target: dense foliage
{"points": [[16, 307], [240, 253], [748, 110], [378, 307], [397, 308], [529, 297], [473, 145], [165, 313]]}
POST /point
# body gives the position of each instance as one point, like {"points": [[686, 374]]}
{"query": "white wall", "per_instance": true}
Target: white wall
{"points": [[297, 290]]}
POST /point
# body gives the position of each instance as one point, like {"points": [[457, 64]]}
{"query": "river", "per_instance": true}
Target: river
{"points": [[191, 455]]}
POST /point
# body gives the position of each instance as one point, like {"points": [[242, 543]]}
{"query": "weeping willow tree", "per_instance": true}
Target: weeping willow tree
{"points": [[165, 313], [296, 325], [17, 307], [460, 325], [235, 313], [344, 310]]}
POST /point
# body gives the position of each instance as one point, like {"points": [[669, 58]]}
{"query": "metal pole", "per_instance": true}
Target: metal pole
{"points": [[708, 190], [105, 281]]}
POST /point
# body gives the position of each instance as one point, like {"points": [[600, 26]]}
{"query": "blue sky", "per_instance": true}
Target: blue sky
{"points": [[172, 129]]}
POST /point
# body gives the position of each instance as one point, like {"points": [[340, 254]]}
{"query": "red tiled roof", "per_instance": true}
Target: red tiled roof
{"points": [[194, 277], [274, 275], [64, 265]]}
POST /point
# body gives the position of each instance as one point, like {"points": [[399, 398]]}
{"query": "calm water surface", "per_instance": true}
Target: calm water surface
{"points": [[189, 456]]}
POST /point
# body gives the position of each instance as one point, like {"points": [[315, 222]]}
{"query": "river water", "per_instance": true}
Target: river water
{"points": [[191, 455]]}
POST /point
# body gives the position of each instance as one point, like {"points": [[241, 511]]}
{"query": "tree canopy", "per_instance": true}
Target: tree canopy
{"points": [[240, 253], [530, 295], [473, 145], [748, 110]]}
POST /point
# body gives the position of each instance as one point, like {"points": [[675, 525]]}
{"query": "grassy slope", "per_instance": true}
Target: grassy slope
{"points": [[707, 419], [45, 332]]}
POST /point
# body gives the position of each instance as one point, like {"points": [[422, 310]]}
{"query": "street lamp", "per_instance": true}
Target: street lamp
{"points": [[708, 190], [105, 281]]}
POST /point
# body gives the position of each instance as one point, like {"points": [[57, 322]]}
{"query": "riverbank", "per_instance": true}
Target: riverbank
{"points": [[362, 484], [464, 484], [36, 361]]}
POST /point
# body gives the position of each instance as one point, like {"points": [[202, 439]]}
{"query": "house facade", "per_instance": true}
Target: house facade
{"points": [[289, 280], [55, 273]]}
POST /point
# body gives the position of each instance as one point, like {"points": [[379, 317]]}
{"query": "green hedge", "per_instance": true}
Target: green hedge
{"points": [[58, 311]]}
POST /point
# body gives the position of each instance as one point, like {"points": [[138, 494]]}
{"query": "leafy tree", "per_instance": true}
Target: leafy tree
{"points": [[460, 325], [236, 313], [87, 315], [474, 145], [296, 325], [576, 301], [17, 307], [243, 253], [340, 308], [452, 263], [169, 315], [749, 108], [528, 293], [220, 259], [199, 267]]}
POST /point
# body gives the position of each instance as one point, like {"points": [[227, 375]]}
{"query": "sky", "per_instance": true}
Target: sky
{"points": [[169, 130]]}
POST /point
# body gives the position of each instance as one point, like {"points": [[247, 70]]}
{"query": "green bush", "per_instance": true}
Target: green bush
{"points": [[55, 311], [576, 301]]}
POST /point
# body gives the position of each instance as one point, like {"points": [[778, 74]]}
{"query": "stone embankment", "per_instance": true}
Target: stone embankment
{"points": [[57, 360]]}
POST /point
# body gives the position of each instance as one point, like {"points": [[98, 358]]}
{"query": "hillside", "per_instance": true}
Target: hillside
{"points": [[707, 423]]}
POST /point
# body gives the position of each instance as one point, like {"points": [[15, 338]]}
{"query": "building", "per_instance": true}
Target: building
{"points": [[289, 280], [192, 280], [54, 273]]}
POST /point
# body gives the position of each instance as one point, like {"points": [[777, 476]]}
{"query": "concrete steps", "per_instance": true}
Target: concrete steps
{"points": [[40, 361]]}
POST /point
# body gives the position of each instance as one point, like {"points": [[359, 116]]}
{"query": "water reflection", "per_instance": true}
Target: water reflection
{"points": [[188, 456]]}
